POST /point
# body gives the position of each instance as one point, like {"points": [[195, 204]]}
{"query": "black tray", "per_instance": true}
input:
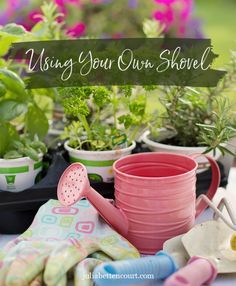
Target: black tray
{"points": [[17, 210]]}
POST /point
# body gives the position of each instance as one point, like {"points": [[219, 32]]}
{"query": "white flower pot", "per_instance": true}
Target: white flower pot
{"points": [[18, 174], [98, 163], [228, 159], [203, 163]]}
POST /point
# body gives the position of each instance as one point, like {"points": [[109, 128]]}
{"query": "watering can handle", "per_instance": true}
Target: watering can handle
{"points": [[201, 205]]}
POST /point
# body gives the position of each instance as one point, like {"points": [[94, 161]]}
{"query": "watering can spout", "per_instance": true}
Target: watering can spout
{"points": [[114, 216], [74, 185]]}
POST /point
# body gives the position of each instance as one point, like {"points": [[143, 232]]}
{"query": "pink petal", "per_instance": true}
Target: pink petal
{"points": [[158, 15], [77, 30], [165, 2], [34, 16]]}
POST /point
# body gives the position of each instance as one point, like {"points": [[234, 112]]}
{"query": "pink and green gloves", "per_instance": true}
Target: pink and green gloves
{"points": [[61, 242]]}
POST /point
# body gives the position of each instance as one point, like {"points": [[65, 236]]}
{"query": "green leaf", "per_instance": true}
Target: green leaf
{"points": [[75, 106], [13, 83], [137, 108], [9, 34], [13, 154], [4, 139], [36, 123], [38, 145], [101, 96], [10, 109], [17, 145], [30, 152], [40, 30], [5, 44], [128, 120], [8, 133], [14, 29], [226, 150], [2, 90]]}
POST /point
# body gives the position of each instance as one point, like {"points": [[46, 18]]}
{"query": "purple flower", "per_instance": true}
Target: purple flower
{"points": [[62, 3], [3, 18], [133, 4]]}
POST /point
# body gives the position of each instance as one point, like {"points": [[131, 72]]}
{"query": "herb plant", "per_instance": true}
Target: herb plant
{"points": [[100, 116], [198, 117], [23, 124]]}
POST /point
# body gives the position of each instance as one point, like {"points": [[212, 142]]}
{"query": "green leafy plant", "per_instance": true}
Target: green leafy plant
{"points": [[48, 28], [25, 111], [22, 122], [198, 117], [105, 118], [22, 146], [214, 135]]}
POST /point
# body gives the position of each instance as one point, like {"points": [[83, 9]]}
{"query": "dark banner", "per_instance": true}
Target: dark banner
{"points": [[159, 61]]}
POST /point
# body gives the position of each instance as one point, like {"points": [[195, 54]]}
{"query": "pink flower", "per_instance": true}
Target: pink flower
{"points": [[117, 36], [166, 17], [165, 2], [34, 16], [76, 31], [187, 9], [174, 15], [59, 3], [62, 3]]}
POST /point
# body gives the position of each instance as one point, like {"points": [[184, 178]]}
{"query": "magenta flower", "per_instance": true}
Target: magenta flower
{"points": [[34, 16], [76, 31], [62, 3], [165, 2], [117, 36], [175, 15], [166, 17]]}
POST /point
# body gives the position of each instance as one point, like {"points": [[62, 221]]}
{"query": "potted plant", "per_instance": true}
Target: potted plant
{"points": [[104, 125], [195, 120], [23, 124], [47, 27]]}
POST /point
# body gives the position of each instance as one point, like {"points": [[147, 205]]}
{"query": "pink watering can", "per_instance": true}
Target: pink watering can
{"points": [[155, 197]]}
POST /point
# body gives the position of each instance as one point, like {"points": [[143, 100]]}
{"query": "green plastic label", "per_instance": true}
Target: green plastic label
{"points": [[95, 178], [119, 139], [10, 179]]}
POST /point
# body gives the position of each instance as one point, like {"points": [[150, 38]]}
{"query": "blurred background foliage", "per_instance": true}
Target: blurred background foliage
{"points": [[219, 23], [213, 19]]}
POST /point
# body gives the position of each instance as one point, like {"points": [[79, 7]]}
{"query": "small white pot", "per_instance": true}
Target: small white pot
{"points": [[98, 163], [18, 174], [203, 163]]}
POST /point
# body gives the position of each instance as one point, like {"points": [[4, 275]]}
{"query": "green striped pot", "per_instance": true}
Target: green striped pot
{"points": [[18, 174], [98, 163]]}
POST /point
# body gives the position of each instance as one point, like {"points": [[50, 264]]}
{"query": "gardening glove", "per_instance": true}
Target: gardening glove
{"points": [[84, 270], [58, 239]]}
